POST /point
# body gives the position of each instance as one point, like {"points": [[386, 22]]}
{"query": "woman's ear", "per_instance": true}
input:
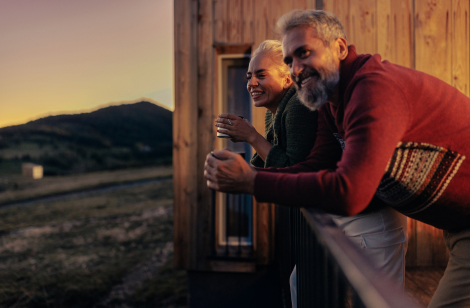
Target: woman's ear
{"points": [[287, 82]]}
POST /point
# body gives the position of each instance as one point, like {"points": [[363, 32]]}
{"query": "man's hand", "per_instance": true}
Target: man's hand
{"points": [[229, 172]]}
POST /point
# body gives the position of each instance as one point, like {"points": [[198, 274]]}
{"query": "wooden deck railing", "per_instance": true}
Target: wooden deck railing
{"points": [[331, 271], [240, 247]]}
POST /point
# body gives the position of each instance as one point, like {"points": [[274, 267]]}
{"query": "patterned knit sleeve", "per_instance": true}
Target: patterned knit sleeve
{"points": [[301, 130]]}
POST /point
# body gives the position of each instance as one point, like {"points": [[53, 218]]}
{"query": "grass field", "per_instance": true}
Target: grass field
{"points": [[109, 249], [16, 187]]}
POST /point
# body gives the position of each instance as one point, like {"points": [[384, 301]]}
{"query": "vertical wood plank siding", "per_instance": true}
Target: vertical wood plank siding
{"points": [[433, 55], [247, 20], [364, 26], [433, 34], [428, 35], [235, 21], [460, 45]]}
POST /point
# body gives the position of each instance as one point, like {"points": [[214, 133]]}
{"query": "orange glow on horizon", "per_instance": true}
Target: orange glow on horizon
{"points": [[78, 56]]}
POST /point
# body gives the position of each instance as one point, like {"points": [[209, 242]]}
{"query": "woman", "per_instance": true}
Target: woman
{"points": [[290, 128], [290, 135]]}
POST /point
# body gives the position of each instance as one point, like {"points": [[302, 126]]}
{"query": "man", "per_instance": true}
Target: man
{"points": [[406, 139]]}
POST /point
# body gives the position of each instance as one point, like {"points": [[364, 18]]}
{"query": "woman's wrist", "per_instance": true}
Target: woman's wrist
{"points": [[253, 139]]}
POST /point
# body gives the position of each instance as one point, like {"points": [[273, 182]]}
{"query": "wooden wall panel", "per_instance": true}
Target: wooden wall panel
{"points": [[247, 26], [329, 5], [261, 29], [410, 259], [277, 8], [235, 21], [385, 37], [341, 8], [394, 31], [363, 26], [299, 5], [220, 21], [433, 27], [402, 33], [201, 242], [460, 45], [424, 244], [184, 136]]}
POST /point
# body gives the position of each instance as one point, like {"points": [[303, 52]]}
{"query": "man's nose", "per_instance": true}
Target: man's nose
{"points": [[296, 68]]}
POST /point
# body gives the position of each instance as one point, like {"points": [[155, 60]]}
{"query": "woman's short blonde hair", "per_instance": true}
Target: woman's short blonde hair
{"points": [[273, 49]]}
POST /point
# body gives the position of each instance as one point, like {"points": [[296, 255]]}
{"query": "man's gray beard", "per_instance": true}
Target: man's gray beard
{"points": [[323, 88]]}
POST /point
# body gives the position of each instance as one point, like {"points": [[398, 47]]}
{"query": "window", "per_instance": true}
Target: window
{"points": [[235, 212]]}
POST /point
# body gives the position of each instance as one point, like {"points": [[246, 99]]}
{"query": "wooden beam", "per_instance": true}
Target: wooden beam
{"points": [[184, 122], [201, 244], [228, 49]]}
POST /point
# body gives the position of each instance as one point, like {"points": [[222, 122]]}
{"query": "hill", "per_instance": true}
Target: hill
{"points": [[109, 138]]}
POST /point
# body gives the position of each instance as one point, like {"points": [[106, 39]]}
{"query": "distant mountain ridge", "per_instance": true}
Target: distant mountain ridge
{"points": [[123, 125], [108, 138]]}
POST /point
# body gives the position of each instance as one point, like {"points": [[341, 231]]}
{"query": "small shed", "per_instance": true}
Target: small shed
{"points": [[33, 171]]}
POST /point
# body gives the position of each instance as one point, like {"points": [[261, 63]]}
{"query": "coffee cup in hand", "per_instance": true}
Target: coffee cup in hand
{"points": [[220, 130], [222, 135]]}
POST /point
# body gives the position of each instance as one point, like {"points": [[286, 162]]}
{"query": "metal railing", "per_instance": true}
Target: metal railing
{"points": [[331, 271], [234, 243]]}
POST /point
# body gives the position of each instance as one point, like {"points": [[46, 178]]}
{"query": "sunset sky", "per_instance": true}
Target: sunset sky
{"points": [[68, 56]]}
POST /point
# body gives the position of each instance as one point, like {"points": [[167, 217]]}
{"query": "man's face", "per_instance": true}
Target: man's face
{"points": [[313, 66]]}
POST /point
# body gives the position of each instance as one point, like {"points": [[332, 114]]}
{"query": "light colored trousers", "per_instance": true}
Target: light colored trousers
{"points": [[454, 288], [381, 235]]}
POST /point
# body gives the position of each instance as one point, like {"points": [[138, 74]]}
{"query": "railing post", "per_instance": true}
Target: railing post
{"points": [[213, 196], [227, 223]]}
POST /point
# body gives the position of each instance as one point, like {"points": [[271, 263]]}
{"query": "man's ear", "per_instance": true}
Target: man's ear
{"points": [[341, 47]]}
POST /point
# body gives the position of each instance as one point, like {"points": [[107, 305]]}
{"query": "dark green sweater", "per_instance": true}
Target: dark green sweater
{"points": [[291, 131]]}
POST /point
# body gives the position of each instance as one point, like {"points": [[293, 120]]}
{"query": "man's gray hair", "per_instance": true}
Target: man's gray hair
{"points": [[273, 49], [326, 24]]}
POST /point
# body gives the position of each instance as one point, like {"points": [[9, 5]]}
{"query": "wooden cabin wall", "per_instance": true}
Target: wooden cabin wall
{"points": [[202, 29], [431, 36]]}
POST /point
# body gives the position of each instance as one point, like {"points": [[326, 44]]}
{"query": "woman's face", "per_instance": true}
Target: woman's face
{"points": [[265, 83]]}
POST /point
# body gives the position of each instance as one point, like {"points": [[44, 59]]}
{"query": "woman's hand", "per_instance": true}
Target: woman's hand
{"points": [[239, 129]]}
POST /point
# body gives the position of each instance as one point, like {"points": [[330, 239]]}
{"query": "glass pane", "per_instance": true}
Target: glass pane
{"points": [[238, 98], [238, 221]]}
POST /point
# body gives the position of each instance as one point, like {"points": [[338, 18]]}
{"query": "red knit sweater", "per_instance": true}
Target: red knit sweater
{"points": [[406, 135]]}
